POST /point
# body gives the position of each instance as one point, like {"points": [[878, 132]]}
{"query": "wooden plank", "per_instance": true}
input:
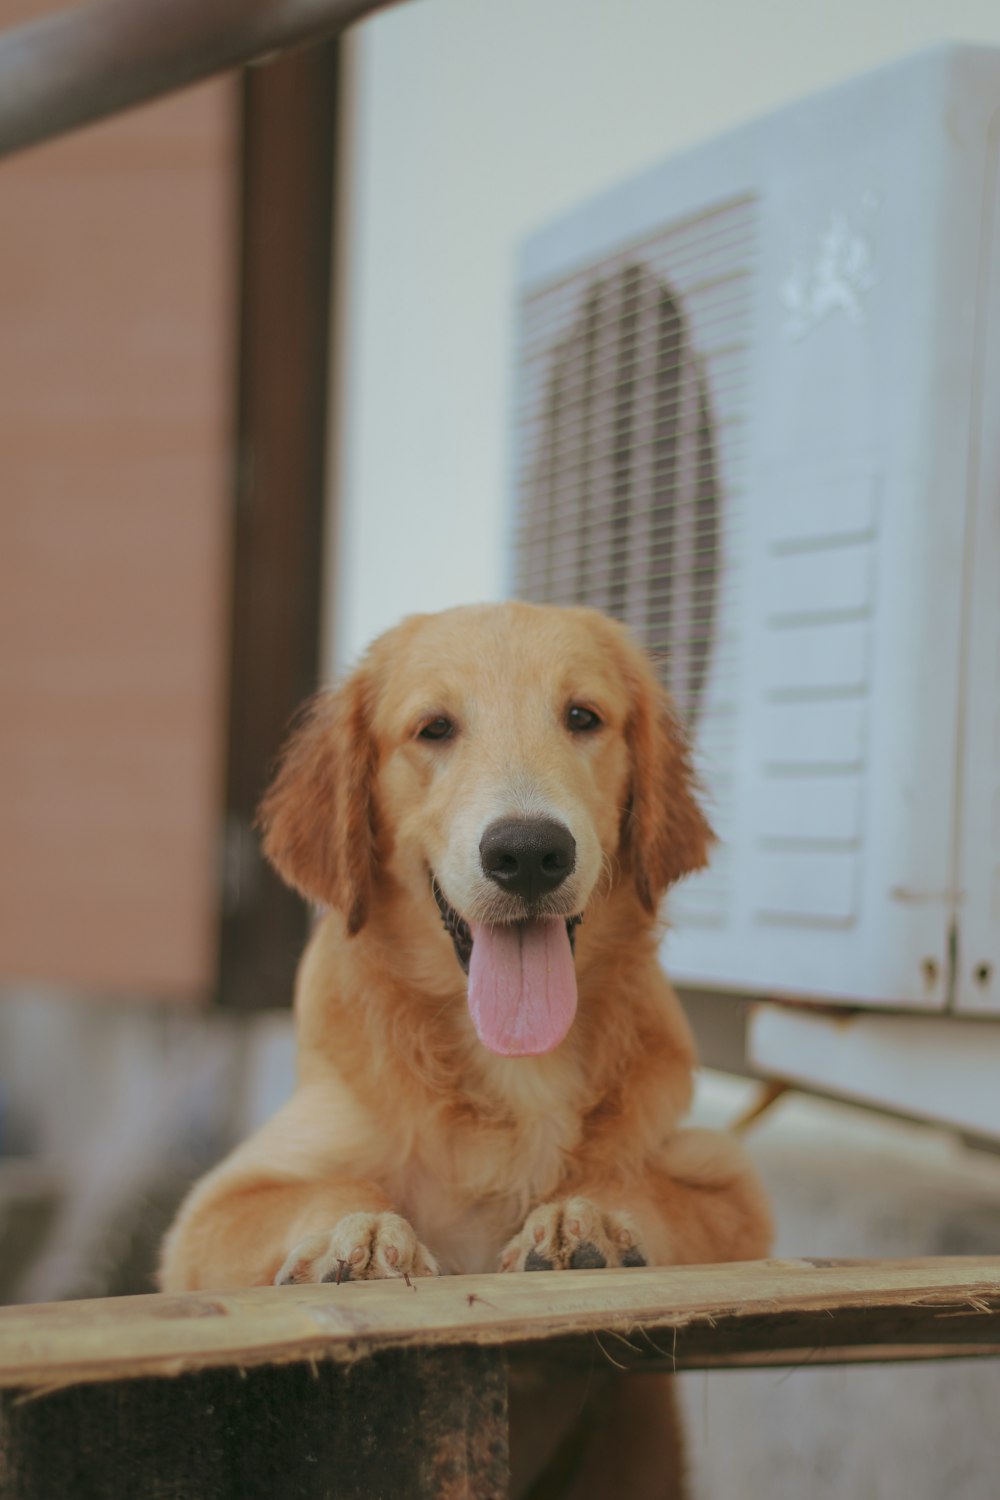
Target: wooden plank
{"points": [[290, 115], [92, 60], [405, 1423], [687, 1317]]}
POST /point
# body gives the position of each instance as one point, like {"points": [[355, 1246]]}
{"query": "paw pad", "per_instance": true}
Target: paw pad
{"points": [[587, 1257]]}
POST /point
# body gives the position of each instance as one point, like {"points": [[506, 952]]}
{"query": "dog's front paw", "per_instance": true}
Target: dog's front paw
{"points": [[360, 1247], [574, 1234]]}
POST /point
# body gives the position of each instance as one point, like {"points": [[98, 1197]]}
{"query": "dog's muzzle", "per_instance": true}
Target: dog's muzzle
{"points": [[461, 935]]}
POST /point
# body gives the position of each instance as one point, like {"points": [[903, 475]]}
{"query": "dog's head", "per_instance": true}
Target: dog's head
{"points": [[505, 766]]}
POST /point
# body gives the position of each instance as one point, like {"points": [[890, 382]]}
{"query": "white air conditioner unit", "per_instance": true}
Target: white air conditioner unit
{"points": [[759, 419]]}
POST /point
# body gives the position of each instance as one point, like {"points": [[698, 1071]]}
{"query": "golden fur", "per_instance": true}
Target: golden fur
{"points": [[407, 1144]]}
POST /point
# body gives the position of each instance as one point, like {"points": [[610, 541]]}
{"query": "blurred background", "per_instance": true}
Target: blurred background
{"points": [[257, 376]]}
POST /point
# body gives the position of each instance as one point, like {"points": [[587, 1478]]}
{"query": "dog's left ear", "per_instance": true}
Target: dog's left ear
{"points": [[318, 816], [665, 834]]}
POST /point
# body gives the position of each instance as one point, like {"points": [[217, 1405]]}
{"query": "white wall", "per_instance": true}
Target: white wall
{"points": [[476, 121]]}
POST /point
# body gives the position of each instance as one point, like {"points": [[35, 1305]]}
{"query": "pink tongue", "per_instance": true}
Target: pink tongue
{"points": [[522, 986]]}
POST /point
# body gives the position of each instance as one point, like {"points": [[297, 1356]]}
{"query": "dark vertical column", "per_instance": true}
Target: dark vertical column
{"points": [[290, 111]]}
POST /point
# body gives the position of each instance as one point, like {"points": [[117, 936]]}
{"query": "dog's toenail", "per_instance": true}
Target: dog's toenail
{"points": [[357, 1255], [539, 1233], [535, 1262], [391, 1255], [573, 1226], [633, 1258]]}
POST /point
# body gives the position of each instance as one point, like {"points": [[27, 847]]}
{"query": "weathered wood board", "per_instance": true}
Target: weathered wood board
{"points": [[397, 1390], [403, 1425], [686, 1317]]}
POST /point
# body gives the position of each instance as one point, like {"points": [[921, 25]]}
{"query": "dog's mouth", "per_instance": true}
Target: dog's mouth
{"points": [[522, 983], [461, 934]]}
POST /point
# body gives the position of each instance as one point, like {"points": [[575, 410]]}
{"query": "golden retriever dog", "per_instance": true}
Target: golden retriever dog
{"points": [[492, 1067]]}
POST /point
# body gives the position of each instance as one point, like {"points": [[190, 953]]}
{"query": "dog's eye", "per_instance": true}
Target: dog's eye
{"points": [[582, 720], [437, 729]]}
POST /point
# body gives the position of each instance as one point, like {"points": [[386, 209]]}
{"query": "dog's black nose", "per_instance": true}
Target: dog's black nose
{"points": [[527, 856]]}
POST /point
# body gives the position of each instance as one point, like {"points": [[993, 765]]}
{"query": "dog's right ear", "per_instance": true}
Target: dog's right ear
{"points": [[317, 817]]}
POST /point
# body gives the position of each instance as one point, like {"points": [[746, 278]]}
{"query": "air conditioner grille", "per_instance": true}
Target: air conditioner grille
{"points": [[632, 419], [633, 386]]}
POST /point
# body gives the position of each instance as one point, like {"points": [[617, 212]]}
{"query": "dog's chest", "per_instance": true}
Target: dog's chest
{"points": [[467, 1198]]}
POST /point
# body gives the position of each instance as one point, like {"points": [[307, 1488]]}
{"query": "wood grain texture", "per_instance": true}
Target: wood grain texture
{"points": [[403, 1424], [689, 1317]]}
